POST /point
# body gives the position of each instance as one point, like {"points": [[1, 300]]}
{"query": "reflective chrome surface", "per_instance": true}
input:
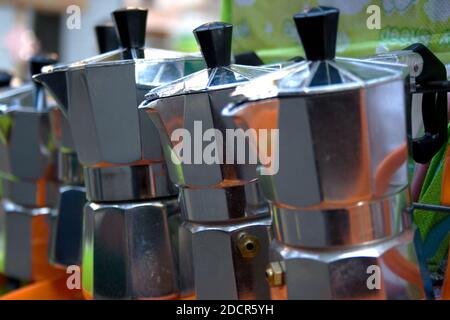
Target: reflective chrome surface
{"points": [[221, 267], [220, 200], [339, 193], [128, 183], [340, 199], [307, 77], [26, 145], [29, 182], [27, 151], [24, 236], [211, 79], [100, 102], [386, 269], [334, 149], [197, 112], [16, 95], [223, 204], [67, 218], [31, 193], [70, 171], [351, 225], [127, 250]]}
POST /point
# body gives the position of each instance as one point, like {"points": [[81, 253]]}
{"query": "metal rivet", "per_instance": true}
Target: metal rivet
{"points": [[275, 274], [248, 245]]}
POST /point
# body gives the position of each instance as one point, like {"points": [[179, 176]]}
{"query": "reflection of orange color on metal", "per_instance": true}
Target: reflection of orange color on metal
{"points": [[50, 289], [386, 169], [87, 296], [40, 234], [390, 164], [279, 293], [41, 192], [395, 261], [446, 286], [169, 297], [260, 116], [136, 163], [403, 268], [362, 184], [41, 184]]}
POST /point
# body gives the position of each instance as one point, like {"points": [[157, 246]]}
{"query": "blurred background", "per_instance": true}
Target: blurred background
{"points": [[31, 26], [263, 26]]}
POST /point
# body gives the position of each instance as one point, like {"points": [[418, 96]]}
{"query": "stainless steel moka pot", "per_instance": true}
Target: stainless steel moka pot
{"points": [[67, 221], [222, 205], [130, 240], [28, 166], [340, 200]]}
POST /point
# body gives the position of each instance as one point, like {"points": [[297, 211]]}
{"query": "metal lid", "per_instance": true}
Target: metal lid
{"points": [[144, 68], [208, 80], [121, 56], [313, 77], [153, 66], [321, 72], [214, 40]]}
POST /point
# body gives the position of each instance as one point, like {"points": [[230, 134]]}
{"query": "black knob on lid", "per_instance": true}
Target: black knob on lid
{"points": [[214, 40], [106, 37], [317, 28], [131, 26], [5, 79], [37, 62]]}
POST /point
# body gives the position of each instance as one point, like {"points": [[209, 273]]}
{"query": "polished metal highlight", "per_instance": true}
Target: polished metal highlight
{"points": [[24, 234], [127, 183], [218, 258], [243, 201], [222, 203], [386, 269], [29, 184], [340, 200], [131, 222], [365, 221], [134, 258]]}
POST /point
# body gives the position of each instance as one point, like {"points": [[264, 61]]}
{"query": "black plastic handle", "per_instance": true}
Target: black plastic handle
{"points": [[434, 106], [5, 79], [214, 39], [106, 38], [317, 28], [131, 24]]}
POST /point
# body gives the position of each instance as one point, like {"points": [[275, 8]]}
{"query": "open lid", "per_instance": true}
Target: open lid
{"points": [[214, 40], [321, 72]]}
